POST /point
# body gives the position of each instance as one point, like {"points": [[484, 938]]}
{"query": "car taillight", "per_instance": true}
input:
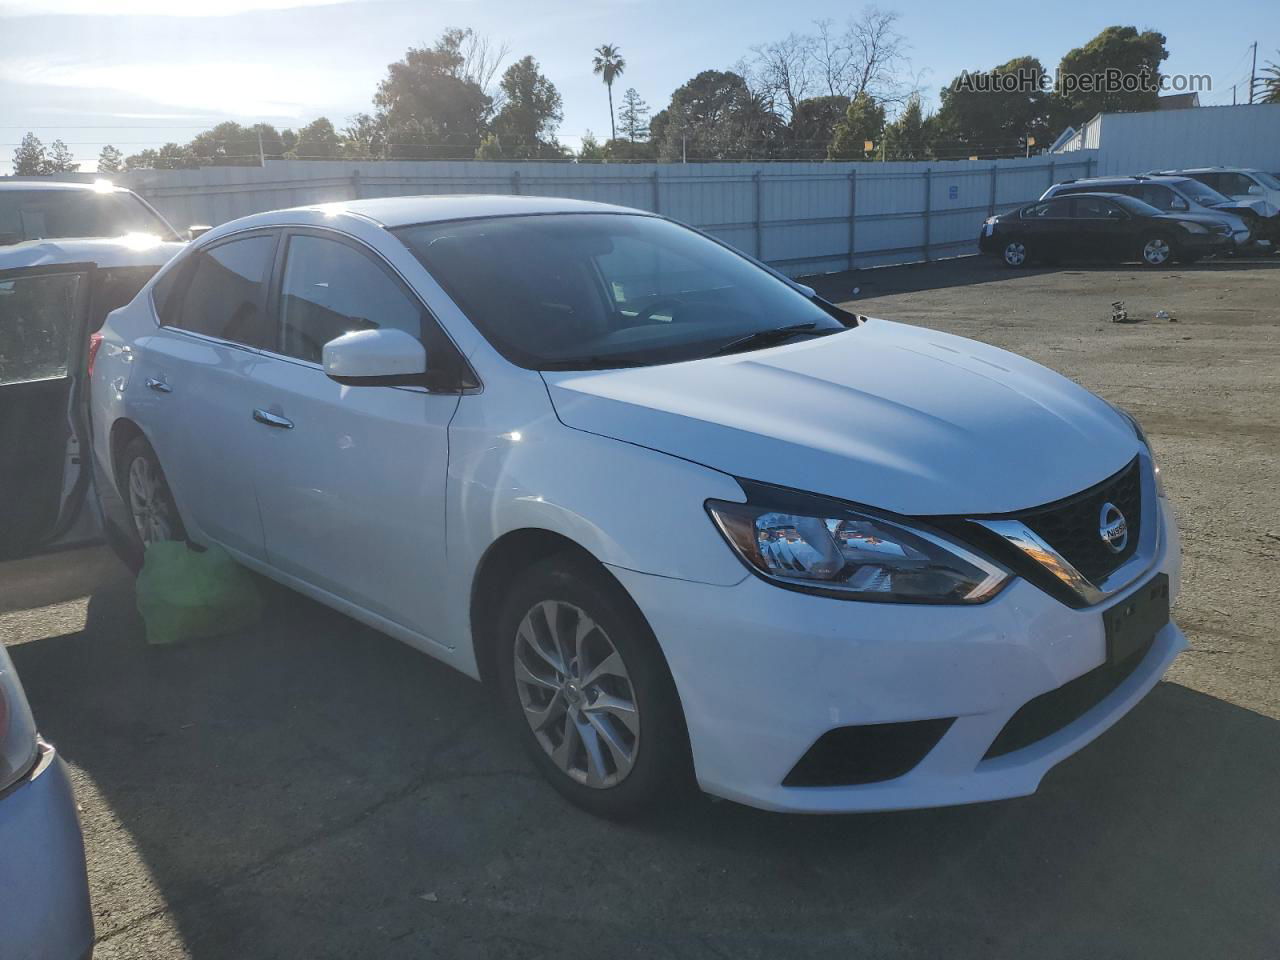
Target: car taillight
{"points": [[95, 342]]}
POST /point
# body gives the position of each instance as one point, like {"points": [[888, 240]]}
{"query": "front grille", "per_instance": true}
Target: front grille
{"points": [[1050, 712], [1071, 526]]}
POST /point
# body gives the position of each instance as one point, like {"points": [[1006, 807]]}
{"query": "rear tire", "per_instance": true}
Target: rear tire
{"points": [[587, 690], [1156, 250], [148, 501]]}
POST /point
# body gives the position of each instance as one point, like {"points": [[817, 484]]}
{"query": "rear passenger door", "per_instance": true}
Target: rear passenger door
{"points": [[351, 479], [192, 392], [44, 332]]}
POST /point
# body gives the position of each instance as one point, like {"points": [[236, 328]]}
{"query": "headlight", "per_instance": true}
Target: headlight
{"points": [[1142, 438], [17, 729], [825, 547], [1192, 227]]}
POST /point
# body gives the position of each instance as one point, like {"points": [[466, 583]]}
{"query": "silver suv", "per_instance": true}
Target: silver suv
{"points": [[1171, 194], [1258, 190]]}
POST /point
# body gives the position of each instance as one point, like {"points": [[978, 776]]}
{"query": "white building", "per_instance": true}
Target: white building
{"points": [[1128, 143]]}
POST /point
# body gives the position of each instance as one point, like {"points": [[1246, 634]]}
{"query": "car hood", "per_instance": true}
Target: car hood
{"points": [[1207, 219], [898, 417]]}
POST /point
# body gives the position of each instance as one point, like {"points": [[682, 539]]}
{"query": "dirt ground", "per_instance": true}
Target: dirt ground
{"points": [[312, 789]]}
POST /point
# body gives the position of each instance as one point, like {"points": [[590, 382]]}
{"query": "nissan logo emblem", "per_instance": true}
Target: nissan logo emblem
{"points": [[1113, 528]]}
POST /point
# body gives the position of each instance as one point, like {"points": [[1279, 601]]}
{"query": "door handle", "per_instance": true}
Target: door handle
{"points": [[272, 419], [159, 386]]}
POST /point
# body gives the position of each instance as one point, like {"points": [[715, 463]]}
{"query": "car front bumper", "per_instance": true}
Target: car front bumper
{"points": [[44, 889], [764, 672]]}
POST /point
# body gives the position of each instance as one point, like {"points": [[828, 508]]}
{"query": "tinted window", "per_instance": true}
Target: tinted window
{"points": [[1048, 211], [591, 291], [330, 289], [1094, 208], [113, 288], [48, 214], [224, 297], [1160, 197], [36, 317], [1232, 184]]}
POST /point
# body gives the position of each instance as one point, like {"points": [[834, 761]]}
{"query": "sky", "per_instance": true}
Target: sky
{"points": [[137, 73]]}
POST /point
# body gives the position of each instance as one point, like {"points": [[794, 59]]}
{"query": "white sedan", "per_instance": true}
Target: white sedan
{"points": [[695, 523]]}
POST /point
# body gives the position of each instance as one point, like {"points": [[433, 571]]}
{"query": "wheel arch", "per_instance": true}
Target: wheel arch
{"points": [[506, 558], [123, 432]]}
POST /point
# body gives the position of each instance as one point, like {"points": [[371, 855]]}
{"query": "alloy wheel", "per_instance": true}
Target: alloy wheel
{"points": [[576, 694], [1156, 251], [149, 502], [1015, 254]]}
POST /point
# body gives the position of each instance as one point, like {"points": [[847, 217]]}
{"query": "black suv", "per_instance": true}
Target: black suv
{"points": [[1101, 226]]}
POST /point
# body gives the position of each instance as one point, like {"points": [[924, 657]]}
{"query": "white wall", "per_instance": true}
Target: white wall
{"points": [[1128, 143], [804, 218]]}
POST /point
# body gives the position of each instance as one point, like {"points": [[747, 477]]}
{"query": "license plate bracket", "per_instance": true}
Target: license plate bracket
{"points": [[1132, 624]]}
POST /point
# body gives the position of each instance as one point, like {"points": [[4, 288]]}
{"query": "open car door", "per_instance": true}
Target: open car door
{"points": [[44, 453]]}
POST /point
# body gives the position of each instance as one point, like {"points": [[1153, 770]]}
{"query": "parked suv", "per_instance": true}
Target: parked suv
{"points": [[1170, 194], [1248, 186], [1101, 226], [51, 210], [690, 519]]}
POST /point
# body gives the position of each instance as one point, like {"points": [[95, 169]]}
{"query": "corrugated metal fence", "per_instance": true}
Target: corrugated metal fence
{"points": [[803, 218]]}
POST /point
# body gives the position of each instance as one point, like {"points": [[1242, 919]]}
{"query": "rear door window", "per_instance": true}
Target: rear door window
{"points": [[225, 295], [37, 317]]}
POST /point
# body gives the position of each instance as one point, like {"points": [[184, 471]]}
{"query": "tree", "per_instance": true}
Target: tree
{"points": [[991, 113], [813, 125], [1122, 51], [1271, 82], [439, 93], [634, 116], [526, 125], [110, 160], [608, 65], [862, 121], [590, 150], [30, 159], [489, 149], [171, 156], [907, 138], [317, 141], [61, 159], [716, 116], [363, 138]]}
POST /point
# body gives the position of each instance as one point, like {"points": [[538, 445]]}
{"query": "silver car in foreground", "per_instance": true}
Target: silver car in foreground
{"points": [[44, 890]]}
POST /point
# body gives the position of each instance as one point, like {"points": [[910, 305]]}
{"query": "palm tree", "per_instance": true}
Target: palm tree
{"points": [[1271, 82], [608, 64]]}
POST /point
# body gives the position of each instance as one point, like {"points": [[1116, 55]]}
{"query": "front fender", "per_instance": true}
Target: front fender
{"points": [[513, 465]]}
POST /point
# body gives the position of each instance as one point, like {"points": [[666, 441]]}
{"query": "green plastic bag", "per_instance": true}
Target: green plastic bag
{"points": [[185, 594]]}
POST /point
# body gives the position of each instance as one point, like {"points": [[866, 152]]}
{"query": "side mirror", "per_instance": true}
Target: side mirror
{"points": [[197, 230], [1179, 204], [375, 358], [1255, 190]]}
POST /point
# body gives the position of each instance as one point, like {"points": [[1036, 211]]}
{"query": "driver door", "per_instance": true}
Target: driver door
{"points": [[44, 318]]}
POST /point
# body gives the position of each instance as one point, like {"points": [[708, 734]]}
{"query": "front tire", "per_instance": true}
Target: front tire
{"points": [[1156, 250], [148, 500], [587, 690], [1015, 254]]}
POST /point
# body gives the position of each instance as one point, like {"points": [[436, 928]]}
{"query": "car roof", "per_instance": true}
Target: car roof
{"points": [[135, 250], [1153, 178], [403, 211], [62, 186]]}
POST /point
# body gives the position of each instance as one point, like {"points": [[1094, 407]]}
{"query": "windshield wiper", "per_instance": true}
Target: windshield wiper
{"points": [[763, 338]]}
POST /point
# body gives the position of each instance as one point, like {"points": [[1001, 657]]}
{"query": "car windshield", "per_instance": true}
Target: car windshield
{"points": [[1267, 180], [1197, 192], [1135, 206], [593, 291], [52, 214]]}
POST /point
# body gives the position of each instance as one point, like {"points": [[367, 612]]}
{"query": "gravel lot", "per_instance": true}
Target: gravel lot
{"points": [[312, 789]]}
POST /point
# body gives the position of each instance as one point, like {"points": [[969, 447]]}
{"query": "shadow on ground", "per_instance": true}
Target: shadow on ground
{"points": [[313, 789], [966, 271]]}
